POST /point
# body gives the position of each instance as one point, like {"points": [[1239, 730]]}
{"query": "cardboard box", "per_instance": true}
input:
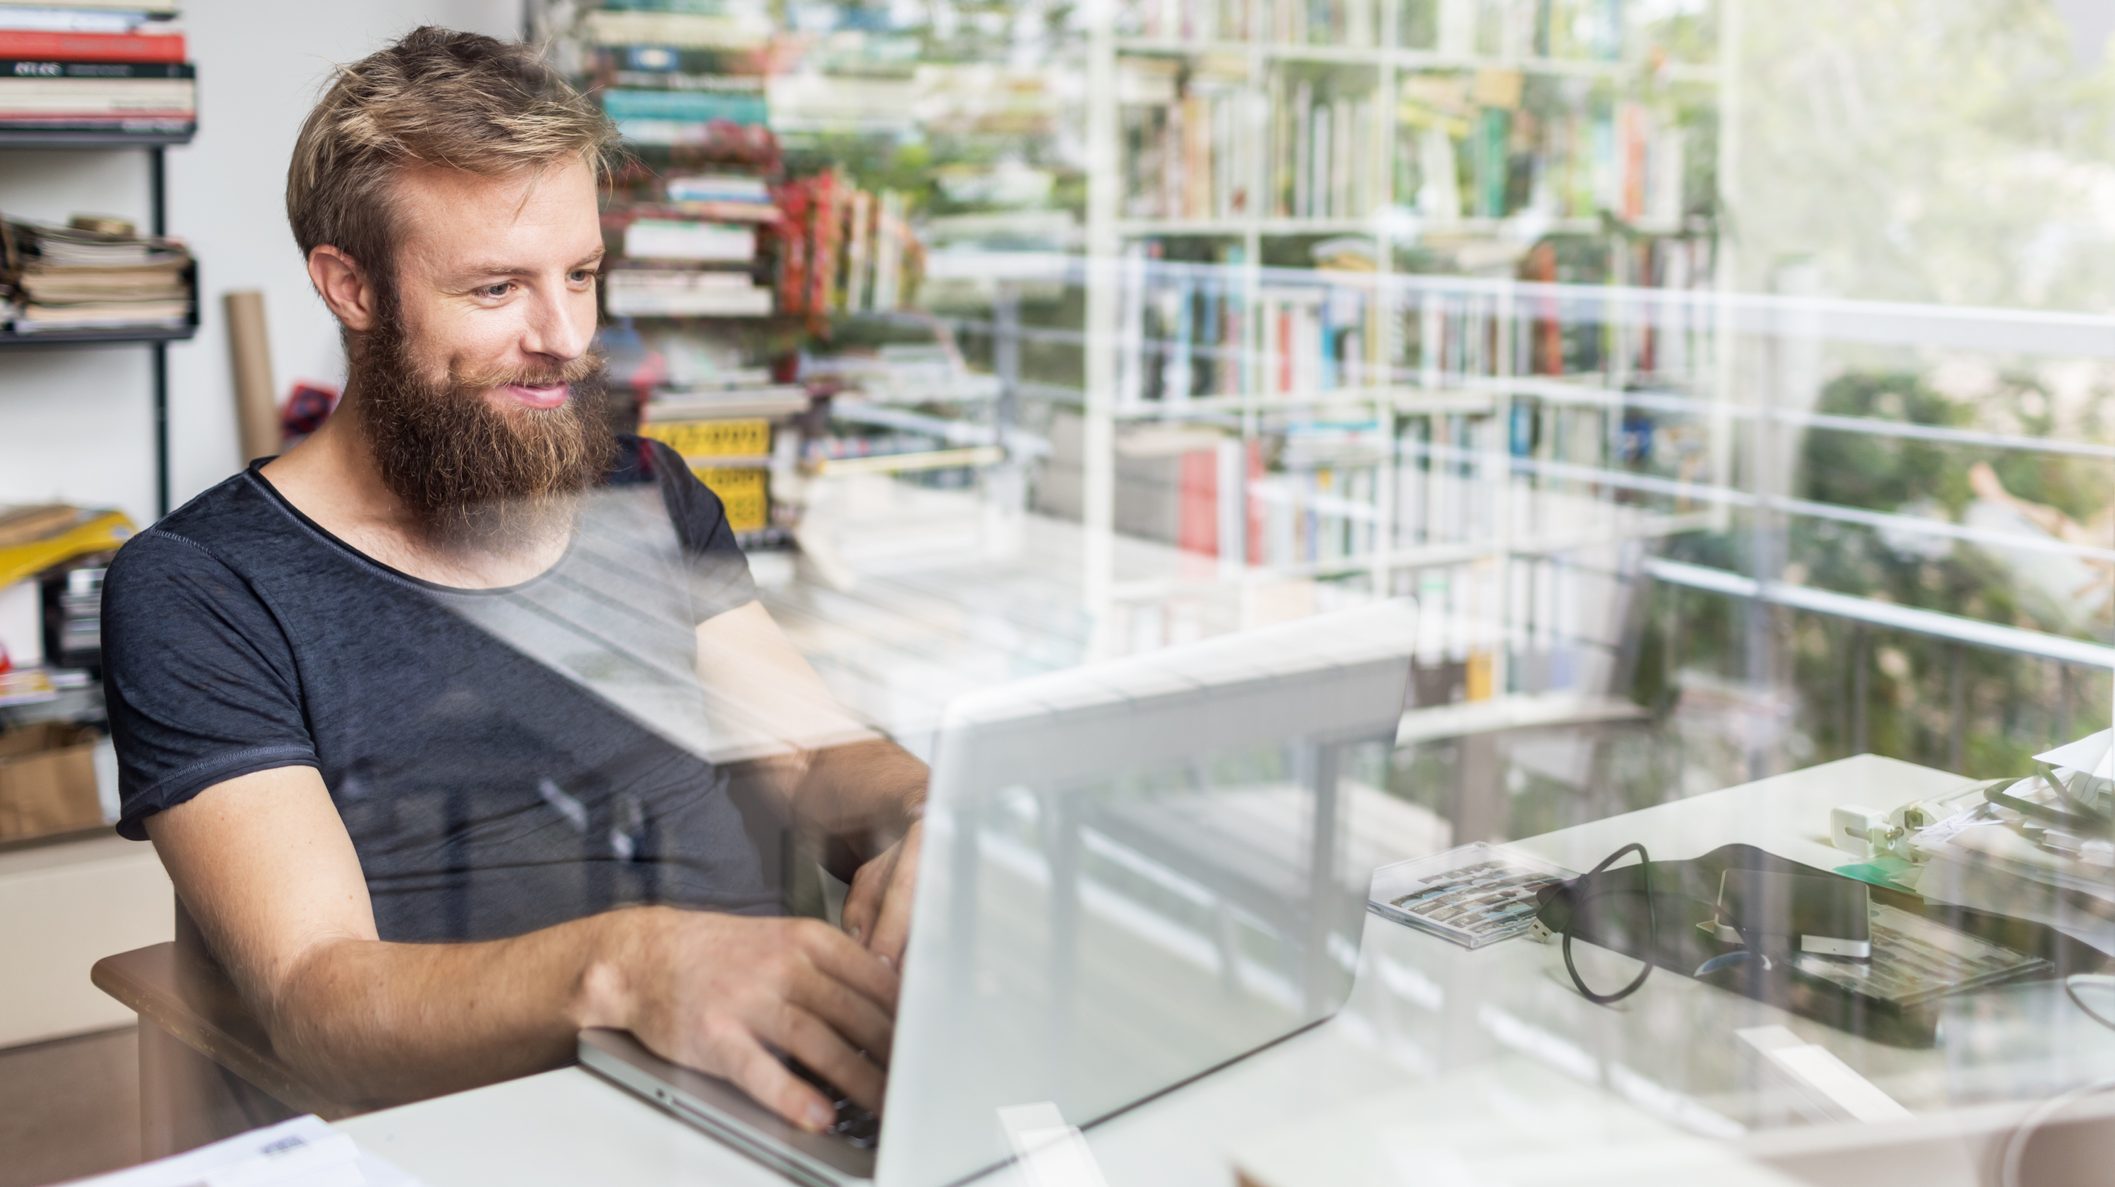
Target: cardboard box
{"points": [[47, 781]]}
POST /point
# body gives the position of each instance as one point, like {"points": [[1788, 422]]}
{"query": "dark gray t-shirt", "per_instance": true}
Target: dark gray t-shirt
{"points": [[503, 759]]}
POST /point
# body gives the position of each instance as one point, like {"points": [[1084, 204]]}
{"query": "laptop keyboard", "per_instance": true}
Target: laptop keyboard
{"points": [[855, 1122]]}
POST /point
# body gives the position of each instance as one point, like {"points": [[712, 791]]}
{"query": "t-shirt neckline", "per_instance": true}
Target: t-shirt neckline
{"points": [[255, 473]]}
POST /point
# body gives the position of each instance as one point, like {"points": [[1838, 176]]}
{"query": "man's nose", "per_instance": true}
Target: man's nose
{"points": [[560, 328]]}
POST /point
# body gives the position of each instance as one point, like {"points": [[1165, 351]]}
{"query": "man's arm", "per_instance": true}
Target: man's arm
{"points": [[859, 792], [773, 716], [265, 866]]}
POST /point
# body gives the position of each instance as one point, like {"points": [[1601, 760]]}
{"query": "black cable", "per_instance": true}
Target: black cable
{"points": [[1652, 928], [2097, 980]]}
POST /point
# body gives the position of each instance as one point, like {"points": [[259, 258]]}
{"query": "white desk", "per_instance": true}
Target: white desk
{"points": [[1423, 1011]]}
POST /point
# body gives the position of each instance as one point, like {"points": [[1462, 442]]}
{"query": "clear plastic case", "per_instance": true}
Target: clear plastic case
{"points": [[1473, 895]]}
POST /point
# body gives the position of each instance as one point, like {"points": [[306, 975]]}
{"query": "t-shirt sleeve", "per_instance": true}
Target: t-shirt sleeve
{"points": [[198, 675], [718, 572]]}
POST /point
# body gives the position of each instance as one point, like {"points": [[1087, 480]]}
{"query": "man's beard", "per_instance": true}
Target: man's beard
{"points": [[471, 474]]}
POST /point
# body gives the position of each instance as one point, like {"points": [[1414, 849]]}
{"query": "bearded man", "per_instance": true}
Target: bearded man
{"points": [[458, 727]]}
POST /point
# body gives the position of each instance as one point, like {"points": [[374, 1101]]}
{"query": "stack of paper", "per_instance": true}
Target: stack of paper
{"points": [[2046, 862], [71, 278], [303, 1152]]}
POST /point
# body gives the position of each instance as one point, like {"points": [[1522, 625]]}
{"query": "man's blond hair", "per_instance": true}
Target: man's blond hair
{"points": [[435, 98]]}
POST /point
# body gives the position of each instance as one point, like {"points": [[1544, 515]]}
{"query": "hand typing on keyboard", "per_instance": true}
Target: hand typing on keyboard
{"points": [[727, 995], [854, 1122]]}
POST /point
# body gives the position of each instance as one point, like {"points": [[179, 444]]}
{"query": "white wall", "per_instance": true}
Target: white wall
{"points": [[77, 424]]}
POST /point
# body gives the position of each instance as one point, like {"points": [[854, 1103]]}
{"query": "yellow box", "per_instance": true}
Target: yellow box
{"points": [[746, 493], [713, 438]]}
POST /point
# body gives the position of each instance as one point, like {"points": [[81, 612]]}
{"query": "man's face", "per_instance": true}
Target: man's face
{"points": [[476, 389]]}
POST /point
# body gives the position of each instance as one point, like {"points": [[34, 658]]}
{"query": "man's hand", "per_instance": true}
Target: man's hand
{"points": [[878, 905], [726, 995]]}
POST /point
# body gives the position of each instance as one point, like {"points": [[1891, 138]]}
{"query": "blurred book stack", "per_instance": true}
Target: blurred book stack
{"points": [[693, 253], [844, 249], [731, 437], [85, 68], [96, 275], [1188, 142]]}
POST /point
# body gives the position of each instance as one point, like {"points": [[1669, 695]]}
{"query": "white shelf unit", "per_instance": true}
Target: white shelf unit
{"points": [[979, 435], [1406, 389]]}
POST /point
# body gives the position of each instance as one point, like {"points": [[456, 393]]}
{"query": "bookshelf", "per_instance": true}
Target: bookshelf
{"points": [[891, 390], [1475, 188], [1413, 184], [136, 98], [1441, 142], [156, 340]]}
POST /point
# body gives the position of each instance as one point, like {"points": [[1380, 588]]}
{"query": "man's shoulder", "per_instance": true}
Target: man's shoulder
{"points": [[216, 528], [641, 461]]}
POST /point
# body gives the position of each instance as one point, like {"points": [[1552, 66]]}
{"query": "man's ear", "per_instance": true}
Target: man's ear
{"points": [[344, 287]]}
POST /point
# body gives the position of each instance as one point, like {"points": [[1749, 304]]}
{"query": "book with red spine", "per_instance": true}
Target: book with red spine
{"points": [[35, 45], [823, 253], [1197, 502]]}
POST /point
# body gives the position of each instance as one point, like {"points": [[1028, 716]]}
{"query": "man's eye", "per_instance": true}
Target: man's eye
{"points": [[496, 291], [584, 276]]}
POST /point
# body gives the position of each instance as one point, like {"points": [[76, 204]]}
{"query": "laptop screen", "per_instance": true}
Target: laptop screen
{"points": [[1133, 874]]}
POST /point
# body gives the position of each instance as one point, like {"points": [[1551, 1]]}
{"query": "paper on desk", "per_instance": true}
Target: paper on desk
{"points": [[2094, 754], [302, 1151]]}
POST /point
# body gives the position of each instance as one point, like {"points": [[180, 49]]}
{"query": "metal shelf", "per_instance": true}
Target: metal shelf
{"points": [[156, 340], [40, 138], [10, 340]]}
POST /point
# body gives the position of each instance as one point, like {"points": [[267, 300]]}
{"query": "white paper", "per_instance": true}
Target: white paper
{"points": [[302, 1151], [2094, 754]]}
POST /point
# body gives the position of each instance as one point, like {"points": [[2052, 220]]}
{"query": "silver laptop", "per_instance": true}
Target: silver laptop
{"points": [[1133, 874]]}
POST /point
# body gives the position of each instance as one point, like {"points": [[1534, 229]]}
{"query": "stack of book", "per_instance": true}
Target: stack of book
{"points": [[1186, 332], [673, 117], [692, 255], [725, 196], [903, 373], [727, 26], [1488, 145], [1195, 488], [843, 249], [1332, 22], [676, 292], [1318, 506], [95, 277], [1315, 340], [1567, 30], [1324, 158], [1448, 479], [1187, 142], [986, 99], [1186, 20], [82, 66], [1181, 328], [808, 101], [732, 396]]}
